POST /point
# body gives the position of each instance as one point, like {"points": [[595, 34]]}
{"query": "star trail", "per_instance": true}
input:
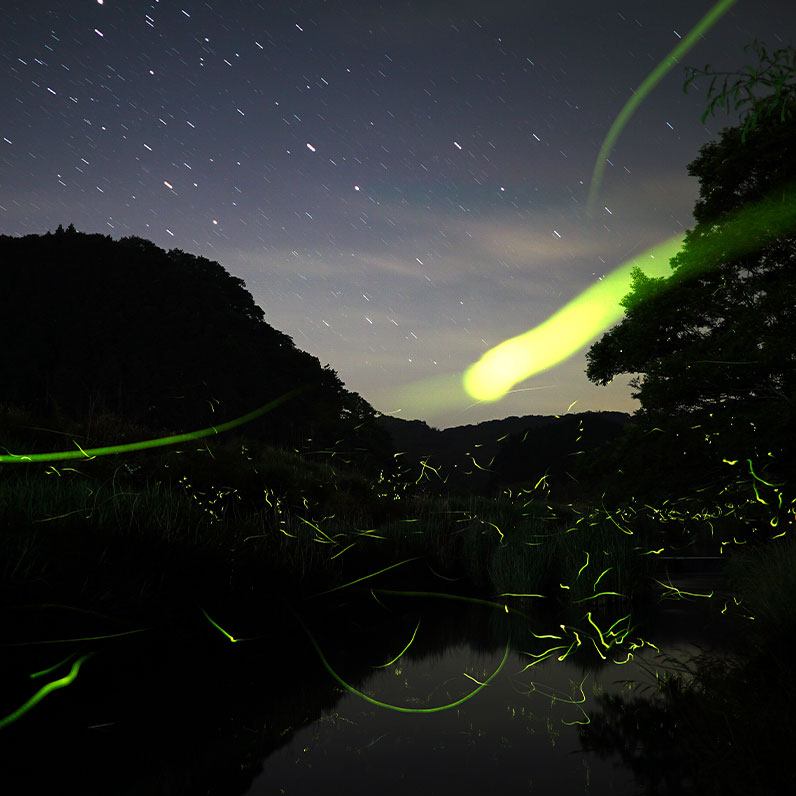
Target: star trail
{"points": [[401, 185]]}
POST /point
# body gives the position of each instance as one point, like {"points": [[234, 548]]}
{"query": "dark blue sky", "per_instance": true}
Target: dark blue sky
{"points": [[401, 184]]}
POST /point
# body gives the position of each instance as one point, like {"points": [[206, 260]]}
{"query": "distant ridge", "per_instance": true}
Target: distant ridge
{"points": [[510, 450]]}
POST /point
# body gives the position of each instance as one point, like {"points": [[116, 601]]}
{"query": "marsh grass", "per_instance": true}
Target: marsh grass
{"points": [[223, 514], [572, 564], [764, 576]]}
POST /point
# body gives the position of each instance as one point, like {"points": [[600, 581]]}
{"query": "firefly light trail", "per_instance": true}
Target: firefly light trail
{"points": [[46, 689], [398, 708], [598, 307], [160, 442], [643, 91]]}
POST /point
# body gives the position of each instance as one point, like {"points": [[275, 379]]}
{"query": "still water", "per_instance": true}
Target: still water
{"points": [[509, 738], [191, 713], [519, 734]]}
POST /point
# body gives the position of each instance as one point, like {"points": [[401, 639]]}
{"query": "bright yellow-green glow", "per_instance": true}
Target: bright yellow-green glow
{"points": [[20, 458], [643, 91], [46, 689], [598, 307], [220, 629], [563, 333], [601, 576], [599, 632], [586, 564], [541, 656]]}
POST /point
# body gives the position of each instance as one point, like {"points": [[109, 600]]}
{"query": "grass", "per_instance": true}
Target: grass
{"points": [[147, 538], [219, 517], [764, 577], [224, 514]]}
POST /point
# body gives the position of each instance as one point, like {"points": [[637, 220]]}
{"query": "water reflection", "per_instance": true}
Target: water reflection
{"points": [[519, 734], [192, 713]]}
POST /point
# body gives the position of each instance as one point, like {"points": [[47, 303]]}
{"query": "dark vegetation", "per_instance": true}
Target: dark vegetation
{"points": [[160, 341], [494, 455], [164, 343], [714, 342], [714, 345]]}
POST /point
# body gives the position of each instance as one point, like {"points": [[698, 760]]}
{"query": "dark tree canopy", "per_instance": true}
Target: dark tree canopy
{"points": [[164, 339], [713, 344]]}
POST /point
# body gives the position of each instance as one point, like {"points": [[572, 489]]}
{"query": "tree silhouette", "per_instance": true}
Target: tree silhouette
{"points": [[714, 347]]}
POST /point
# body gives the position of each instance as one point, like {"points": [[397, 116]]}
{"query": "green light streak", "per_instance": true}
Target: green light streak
{"points": [[580, 571], [599, 594], [398, 708], [501, 534], [565, 655], [391, 662], [43, 672], [646, 87], [220, 629], [599, 307], [318, 530], [599, 632], [572, 723], [610, 631], [601, 576], [366, 577], [472, 458], [340, 552], [44, 691], [542, 656], [757, 477], [554, 697], [160, 442], [459, 597], [625, 531], [568, 330], [72, 640], [424, 465], [599, 651], [680, 593]]}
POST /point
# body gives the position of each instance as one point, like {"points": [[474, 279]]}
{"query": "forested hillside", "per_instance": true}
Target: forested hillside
{"points": [[164, 341]]}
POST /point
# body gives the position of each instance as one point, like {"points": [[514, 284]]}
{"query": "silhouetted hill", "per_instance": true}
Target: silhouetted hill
{"points": [[167, 340], [488, 456], [557, 449]]}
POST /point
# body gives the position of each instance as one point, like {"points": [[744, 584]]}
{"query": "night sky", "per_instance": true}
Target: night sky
{"points": [[401, 185]]}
